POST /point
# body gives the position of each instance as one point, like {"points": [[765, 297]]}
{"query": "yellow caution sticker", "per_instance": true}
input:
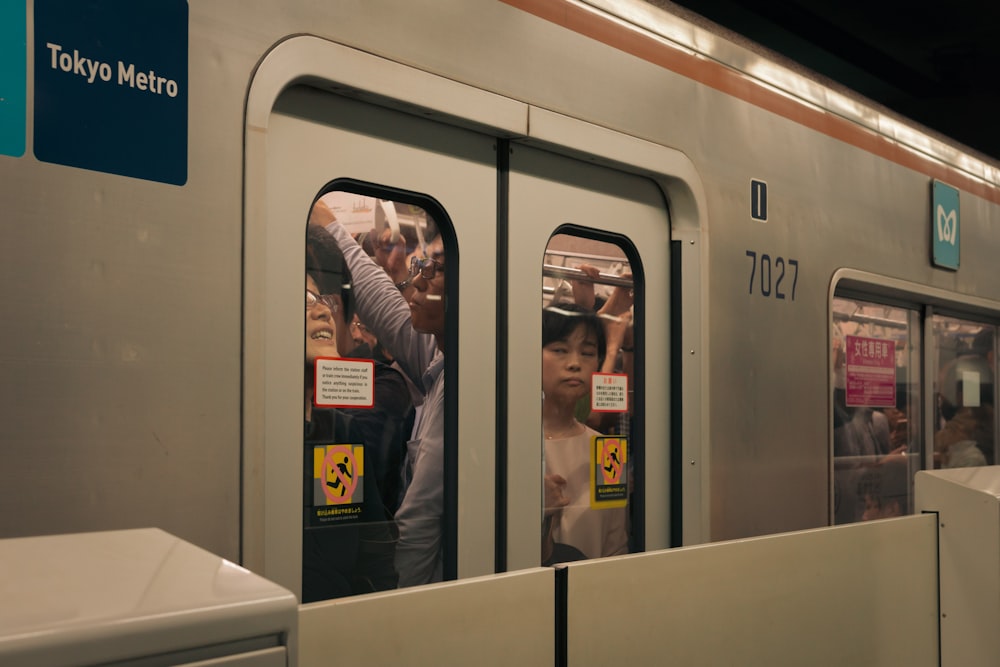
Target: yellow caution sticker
{"points": [[608, 471]]}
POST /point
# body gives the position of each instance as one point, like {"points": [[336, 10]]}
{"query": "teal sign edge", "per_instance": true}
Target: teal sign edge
{"points": [[13, 76], [945, 226]]}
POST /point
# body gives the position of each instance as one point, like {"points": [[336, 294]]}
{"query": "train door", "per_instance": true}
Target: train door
{"points": [[912, 388], [963, 362], [877, 420], [587, 424], [370, 169]]}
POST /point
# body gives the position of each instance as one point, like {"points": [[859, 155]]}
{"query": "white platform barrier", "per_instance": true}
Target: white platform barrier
{"points": [[863, 594], [137, 598], [967, 503], [502, 620]]}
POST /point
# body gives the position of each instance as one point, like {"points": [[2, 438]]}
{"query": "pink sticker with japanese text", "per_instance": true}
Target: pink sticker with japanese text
{"points": [[871, 372]]}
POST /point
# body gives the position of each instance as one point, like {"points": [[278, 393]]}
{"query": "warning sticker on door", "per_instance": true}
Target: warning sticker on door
{"points": [[344, 383], [609, 471], [609, 392], [338, 484]]}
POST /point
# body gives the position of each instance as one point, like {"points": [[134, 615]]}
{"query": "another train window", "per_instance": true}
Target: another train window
{"points": [[964, 364], [876, 409], [374, 446], [588, 363]]}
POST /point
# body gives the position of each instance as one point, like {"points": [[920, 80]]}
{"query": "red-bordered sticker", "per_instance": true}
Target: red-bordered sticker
{"points": [[344, 383], [871, 372], [609, 392]]}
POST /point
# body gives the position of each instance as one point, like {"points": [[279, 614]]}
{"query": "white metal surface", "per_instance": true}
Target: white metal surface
{"points": [[502, 620], [966, 503], [864, 594], [92, 598]]}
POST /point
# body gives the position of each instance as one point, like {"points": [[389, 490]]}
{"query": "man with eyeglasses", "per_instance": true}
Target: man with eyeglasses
{"points": [[391, 253], [414, 333]]}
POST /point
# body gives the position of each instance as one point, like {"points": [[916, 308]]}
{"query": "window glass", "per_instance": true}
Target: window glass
{"points": [[876, 409], [373, 462], [589, 442], [964, 364]]}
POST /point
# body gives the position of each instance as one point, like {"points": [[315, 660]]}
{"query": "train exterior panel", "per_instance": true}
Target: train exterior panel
{"points": [[150, 361]]}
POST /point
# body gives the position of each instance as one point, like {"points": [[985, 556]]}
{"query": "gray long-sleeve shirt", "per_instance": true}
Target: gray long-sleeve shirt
{"points": [[419, 518]]}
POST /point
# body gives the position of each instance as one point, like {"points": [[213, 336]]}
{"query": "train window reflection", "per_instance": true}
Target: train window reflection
{"points": [[876, 409], [588, 369], [373, 466], [964, 365]]}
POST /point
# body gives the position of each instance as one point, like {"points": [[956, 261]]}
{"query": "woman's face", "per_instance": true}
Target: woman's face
{"points": [[568, 364], [321, 332]]}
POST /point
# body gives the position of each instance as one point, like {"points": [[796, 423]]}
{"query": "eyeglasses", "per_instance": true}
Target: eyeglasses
{"points": [[427, 267], [328, 300], [360, 327]]}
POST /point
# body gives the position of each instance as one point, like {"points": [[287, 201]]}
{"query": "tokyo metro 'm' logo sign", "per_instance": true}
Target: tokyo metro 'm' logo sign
{"points": [[945, 225]]}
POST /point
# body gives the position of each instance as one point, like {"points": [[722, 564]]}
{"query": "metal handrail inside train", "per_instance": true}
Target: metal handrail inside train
{"points": [[566, 273]]}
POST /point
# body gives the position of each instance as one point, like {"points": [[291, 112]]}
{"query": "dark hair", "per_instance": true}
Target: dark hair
{"points": [[950, 382], [364, 240], [982, 343], [560, 320], [325, 263]]}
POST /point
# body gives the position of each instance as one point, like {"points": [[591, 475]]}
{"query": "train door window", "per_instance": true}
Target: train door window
{"points": [[576, 231], [964, 367], [876, 409], [374, 484], [588, 357], [425, 188]]}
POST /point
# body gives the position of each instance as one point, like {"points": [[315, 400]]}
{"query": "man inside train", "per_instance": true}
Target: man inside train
{"points": [[860, 437], [965, 403], [413, 332]]}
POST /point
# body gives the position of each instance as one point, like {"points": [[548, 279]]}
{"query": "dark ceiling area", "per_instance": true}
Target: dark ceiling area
{"points": [[937, 64]]}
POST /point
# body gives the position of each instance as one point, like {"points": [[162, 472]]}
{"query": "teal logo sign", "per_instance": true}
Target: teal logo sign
{"points": [[945, 226], [111, 86], [13, 65]]}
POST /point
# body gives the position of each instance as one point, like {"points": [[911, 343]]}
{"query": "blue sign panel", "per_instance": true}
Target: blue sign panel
{"points": [[758, 200], [111, 86], [945, 226], [13, 65]]}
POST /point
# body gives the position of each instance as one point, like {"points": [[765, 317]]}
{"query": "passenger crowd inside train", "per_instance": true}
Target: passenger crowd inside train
{"points": [[878, 416], [373, 474]]}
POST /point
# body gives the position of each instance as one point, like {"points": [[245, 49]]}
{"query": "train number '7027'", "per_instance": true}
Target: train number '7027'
{"points": [[772, 275]]}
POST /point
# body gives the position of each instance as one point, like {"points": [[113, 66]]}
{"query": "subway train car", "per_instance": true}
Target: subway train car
{"points": [[800, 286]]}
